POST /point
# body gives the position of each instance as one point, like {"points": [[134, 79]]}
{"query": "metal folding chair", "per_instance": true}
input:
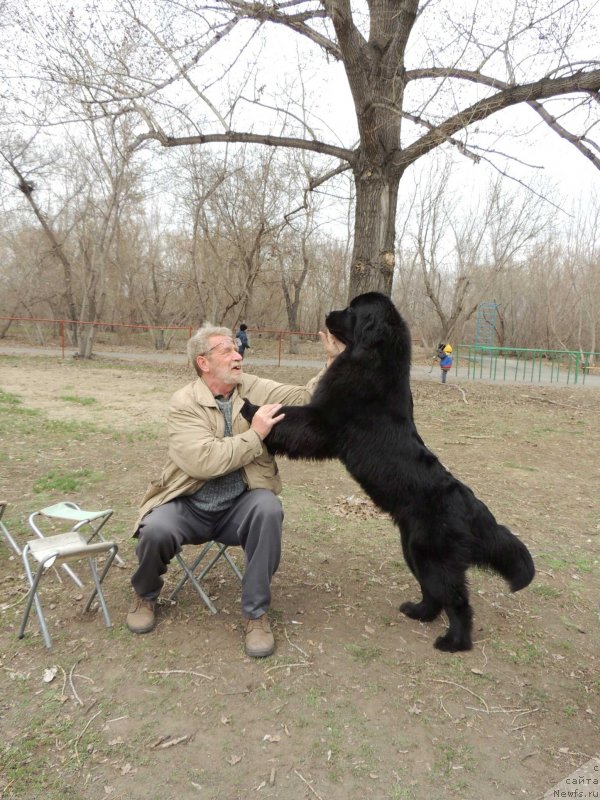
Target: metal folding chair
{"points": [[197, 570], [89, 523], [49, 551], [4, 530]]}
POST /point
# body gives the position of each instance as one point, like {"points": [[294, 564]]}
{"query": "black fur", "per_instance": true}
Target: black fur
{"points": [[361, 413]]}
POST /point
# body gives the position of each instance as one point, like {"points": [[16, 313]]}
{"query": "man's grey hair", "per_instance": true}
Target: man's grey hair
{"points": [[199, 343]]}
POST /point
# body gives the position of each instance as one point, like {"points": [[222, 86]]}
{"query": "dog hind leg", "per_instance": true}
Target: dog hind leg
{"points": [[460, 616], [444, 586], [430, 605]]}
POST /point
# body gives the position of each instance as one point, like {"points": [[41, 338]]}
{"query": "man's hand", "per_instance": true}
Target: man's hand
{"points": [[265, 418], [332, 346]]}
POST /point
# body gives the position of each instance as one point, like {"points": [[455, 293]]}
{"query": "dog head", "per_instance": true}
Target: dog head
{"points": [[370, 323]]}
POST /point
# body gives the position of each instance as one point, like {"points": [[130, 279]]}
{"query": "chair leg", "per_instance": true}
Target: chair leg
{"points": [[96, 534], [185, 578], [220, 551], [189, 575], [32, 598], [189, 572], [7, 536], [73, 575], [98, 585], [231, 562]]}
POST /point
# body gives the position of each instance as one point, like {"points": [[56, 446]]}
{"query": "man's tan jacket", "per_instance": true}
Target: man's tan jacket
{"points": [[198, 449]]}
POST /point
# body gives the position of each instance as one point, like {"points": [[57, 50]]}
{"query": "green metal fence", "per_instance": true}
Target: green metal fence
{"points": [[529, 365]]}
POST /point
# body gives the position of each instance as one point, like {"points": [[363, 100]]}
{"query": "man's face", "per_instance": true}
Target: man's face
{"points": [[221, 365]]}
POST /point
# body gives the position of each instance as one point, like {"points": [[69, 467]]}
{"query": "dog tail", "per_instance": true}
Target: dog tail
{"points": [[507, 555]]}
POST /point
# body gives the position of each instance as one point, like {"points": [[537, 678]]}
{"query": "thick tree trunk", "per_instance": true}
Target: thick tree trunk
{"points": [[374, 253]]}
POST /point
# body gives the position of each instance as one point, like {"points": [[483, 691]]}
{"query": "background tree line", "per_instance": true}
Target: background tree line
{"points": [[88, 232]]}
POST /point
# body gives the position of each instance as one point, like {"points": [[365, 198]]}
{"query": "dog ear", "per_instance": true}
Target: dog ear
{"points": [[371, 332]]}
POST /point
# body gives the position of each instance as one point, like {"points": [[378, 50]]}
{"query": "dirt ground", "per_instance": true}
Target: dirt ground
{"points": [[355, 703]]}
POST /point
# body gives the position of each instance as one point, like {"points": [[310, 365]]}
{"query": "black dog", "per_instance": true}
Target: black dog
{"points": [[361, 413]]}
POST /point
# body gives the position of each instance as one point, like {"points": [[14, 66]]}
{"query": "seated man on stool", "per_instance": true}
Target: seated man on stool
{"points": [[219, 482]]}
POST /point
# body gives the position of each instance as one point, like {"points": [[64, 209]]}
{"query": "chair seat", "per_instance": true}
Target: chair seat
{"points": [[70, 511], [65, 547]]}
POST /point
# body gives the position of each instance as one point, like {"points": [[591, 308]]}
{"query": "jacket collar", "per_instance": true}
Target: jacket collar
{"points": [[204, 396]]}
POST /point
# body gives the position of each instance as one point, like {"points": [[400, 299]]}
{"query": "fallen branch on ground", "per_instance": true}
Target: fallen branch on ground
{"points": [[462, 391], [166, 741], [182, 672]]}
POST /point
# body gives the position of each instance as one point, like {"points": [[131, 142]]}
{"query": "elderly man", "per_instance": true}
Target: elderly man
{"points": [[219, 482]]}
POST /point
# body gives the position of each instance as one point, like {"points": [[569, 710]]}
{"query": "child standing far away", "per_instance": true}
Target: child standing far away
{"points": [[242, 338], [444, 353]]}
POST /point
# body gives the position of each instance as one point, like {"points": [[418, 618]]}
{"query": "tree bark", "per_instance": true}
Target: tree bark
{"points": [[373, 258]]}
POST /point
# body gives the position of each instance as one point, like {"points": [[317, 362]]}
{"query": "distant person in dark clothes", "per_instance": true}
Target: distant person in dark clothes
{"points": [[242, 338]]}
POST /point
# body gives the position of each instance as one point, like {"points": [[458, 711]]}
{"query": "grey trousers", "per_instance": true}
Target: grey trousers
{"points": [[254, 522]]}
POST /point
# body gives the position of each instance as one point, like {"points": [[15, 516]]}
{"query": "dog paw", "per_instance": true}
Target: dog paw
{"points": [[410, 610], [449, 643], [248, 410], [419, 611]]}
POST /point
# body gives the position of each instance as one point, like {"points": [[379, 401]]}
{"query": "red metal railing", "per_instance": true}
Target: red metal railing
{"points": [[62, 323]]}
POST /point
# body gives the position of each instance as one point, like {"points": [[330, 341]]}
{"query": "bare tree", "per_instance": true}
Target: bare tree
{"points": [[583, 275], [83, 227], [21, 254], [27, 186], [235, 213], [420, 75], [463, 257]]}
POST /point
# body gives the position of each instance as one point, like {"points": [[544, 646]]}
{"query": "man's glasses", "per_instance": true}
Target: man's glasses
{"points": [[224, 348]]}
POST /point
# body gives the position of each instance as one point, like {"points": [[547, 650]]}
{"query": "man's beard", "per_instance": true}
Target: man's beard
{"points": [[231, 376]]}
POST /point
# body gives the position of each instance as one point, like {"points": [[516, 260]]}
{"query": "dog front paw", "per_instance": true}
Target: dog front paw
{"points": [[248, 410]]}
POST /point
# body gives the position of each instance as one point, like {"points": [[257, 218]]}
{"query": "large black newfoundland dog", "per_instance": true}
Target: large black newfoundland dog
{"points": [[361, 413]]}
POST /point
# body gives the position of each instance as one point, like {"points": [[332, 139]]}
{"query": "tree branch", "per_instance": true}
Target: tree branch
{"points": [[314, 183], [576, 141], [460, 146], [486, 80], [352, 43], [297, 22], [512, 95], [250, 138], [407, 15], [183, 70]]}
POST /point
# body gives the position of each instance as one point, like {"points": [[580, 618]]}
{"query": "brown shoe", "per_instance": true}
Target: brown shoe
{"points": [[259, 639], [141, 617]]}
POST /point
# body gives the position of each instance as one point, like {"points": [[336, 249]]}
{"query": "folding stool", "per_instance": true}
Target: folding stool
{"points": [[189, 571], [49, 551], [79, 518]]}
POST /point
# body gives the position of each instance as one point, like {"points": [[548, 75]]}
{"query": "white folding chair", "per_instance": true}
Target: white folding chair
{"points": [[4, 530], [88, 522], [53, 550], [197, 570]]}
